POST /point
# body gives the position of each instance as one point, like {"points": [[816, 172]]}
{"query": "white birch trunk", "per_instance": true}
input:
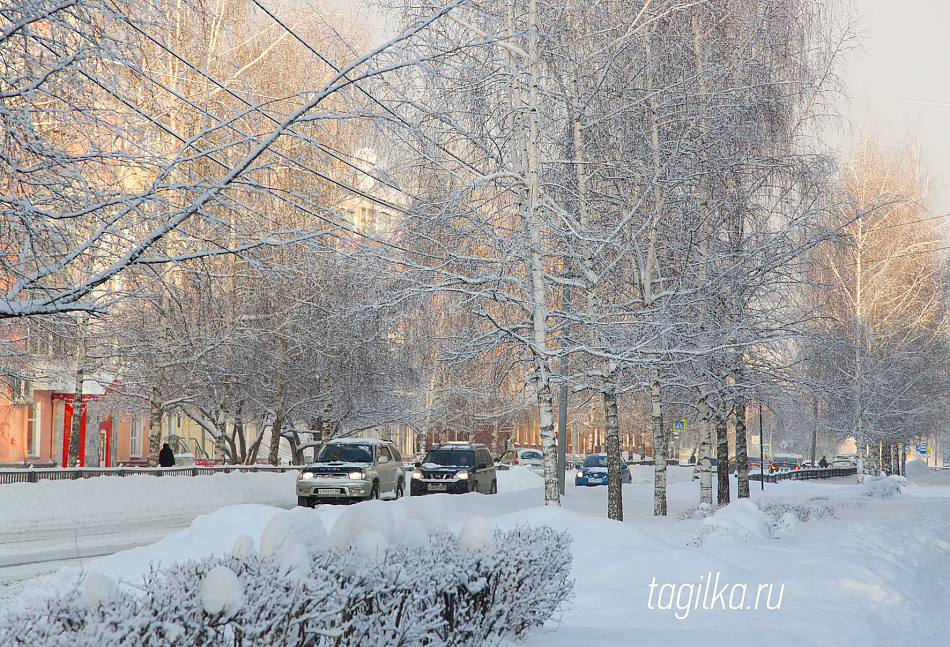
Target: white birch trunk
{"points": [[659, 449], [742, 451], [704, 462], [722, 461], [612, 441], [539, 311]]}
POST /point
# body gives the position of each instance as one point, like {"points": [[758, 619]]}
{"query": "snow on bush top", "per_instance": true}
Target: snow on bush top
{"points": [[281, 531], [476, 534], [100, 589], [359, 520], [742, 519], [221, 592], [428, 510], [244, 546], [310, 529]]}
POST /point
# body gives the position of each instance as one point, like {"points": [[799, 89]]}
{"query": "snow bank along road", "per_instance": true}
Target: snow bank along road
{"points": [[46, 525]]}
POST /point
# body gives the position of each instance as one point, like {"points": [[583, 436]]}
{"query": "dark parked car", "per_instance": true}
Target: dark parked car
{"points": [[593, 471], [455, 468]]}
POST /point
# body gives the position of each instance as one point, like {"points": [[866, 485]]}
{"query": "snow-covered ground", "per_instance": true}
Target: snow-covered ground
{"points": [[806, 563], [46, 525]]}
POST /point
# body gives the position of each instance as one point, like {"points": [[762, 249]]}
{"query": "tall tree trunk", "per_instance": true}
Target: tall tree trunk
{"points": [[861, 450], [255, 446], [722, 458], [552, 494], [154, 425], [742, 451], [75, 425], [326, 418], [275, 431], [705, 459], [221, 427], [295, 451], [239, 437], [157, 401], [612, 440], [539, 312], [659, 448], [705, 244]]}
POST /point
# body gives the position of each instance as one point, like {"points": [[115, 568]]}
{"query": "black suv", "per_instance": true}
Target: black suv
{"points": [[455, 468]]}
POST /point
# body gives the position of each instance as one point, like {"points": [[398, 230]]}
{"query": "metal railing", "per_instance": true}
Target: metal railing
{"points": [[804, 474], [31, 475]]}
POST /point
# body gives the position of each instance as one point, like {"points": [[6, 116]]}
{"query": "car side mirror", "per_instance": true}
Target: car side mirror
{"points": [[482, 466], [383, 459], [417, 464]]}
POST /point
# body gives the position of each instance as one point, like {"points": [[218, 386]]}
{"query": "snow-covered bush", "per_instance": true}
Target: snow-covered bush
{"points": [[697, 512], [431, 595], [883, 487], [814, 509], [741, 520]]}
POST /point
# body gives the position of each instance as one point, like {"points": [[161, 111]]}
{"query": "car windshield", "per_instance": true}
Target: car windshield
{"points": [[450, 457], [531, 456], [346, 453], [595, 461]]}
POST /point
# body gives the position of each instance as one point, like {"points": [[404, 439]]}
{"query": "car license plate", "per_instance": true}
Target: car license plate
{"points": [[327, 491], [437, 487], [595, 480]]}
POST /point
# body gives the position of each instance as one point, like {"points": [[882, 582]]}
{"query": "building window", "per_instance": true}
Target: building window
{"points": [[33, 431], [368, 221], [135, 439]]}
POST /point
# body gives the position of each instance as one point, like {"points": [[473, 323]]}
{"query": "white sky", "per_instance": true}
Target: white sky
{"points": [[900, 82]]}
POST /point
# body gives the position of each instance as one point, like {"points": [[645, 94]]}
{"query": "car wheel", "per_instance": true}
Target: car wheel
{"points": [[374, 493], [304, 502], [494, 488], [400, 488], [474, 486]]}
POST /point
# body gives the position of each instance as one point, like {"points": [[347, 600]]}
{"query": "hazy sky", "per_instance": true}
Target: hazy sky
{"points": [[900, 82]]}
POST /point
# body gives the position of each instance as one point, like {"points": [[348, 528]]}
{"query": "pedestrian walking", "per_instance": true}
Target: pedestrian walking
{"points": [[166, 457]]}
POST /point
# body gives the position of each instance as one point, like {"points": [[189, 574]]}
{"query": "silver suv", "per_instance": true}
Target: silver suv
{"points": [[352, 469]]}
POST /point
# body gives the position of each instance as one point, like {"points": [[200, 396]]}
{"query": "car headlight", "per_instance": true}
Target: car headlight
{"points": [[307, 475], [462, 475], [580, 474], [417, 474], [356, 476]]}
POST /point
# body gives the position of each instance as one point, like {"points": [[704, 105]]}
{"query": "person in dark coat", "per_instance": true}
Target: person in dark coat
{"points": [[166, 457], [823, 462]]}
